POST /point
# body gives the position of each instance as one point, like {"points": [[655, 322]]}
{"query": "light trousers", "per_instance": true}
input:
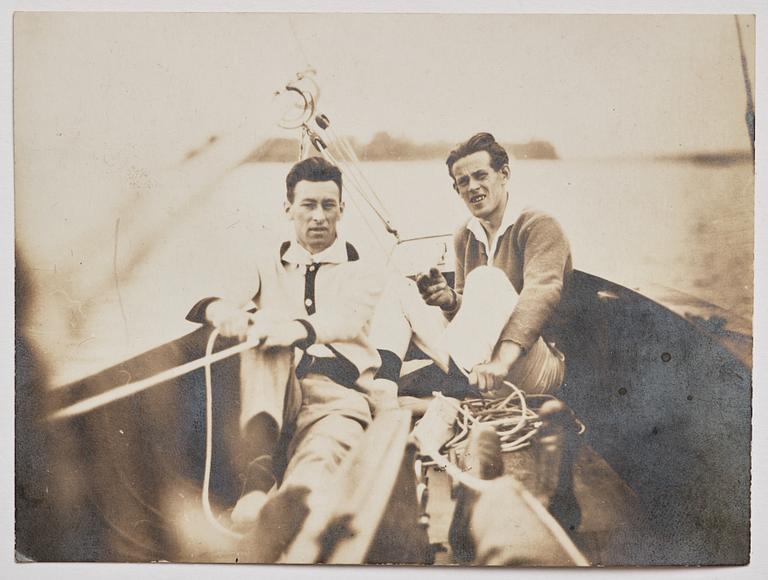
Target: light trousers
{"points": [[325, 419], [489, 299]]}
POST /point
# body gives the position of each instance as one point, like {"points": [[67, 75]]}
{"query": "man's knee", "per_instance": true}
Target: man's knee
{"points": [[322, 397], [540, 370], [487, 277], [331, 438], [319, 451]]}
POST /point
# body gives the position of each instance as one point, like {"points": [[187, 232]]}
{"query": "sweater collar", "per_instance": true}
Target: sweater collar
{"points": [[511, 214]]}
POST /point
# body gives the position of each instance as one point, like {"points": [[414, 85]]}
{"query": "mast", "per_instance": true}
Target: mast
{"points": [[749, 116]]}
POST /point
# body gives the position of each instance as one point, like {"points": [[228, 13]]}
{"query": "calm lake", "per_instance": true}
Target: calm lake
{"points": [[118, 272], [681, 225]]}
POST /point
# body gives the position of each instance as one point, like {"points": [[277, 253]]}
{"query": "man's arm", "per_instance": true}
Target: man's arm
{"points": [[279, 333], [546, 257], [435, 291], [433, 287], [490, 376], [230, 316], [460, 242], [232, 320]]}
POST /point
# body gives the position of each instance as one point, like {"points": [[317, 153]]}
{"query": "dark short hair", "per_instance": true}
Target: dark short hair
{"points": [[479, 142], [311, 169]]}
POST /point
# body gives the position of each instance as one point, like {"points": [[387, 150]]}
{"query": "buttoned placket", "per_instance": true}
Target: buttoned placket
{"points": [[310, 275]]}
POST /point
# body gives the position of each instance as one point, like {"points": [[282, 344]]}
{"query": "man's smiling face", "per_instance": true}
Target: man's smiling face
{"points": [[483, 189]]}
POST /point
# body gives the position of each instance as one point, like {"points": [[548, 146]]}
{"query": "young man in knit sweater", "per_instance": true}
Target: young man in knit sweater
{"points": [[311, 383], [511, 269]]}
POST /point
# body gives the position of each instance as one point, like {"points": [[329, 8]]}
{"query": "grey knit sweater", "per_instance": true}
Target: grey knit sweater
{"points": [[536, 257]]}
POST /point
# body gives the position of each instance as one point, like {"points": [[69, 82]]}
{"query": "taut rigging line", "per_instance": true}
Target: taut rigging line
{"points": [[340, 152]]}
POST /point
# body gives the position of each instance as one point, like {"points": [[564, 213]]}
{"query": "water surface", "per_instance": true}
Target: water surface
{"points": [[115, 270]]}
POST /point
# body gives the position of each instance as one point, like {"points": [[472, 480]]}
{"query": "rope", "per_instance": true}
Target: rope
{"points": [[473, 411], [430, 237], [516, 424], [353, 173], [326, 153], [339, 151], [209, 442], [344, 156], [348, 161], [354, 162]]}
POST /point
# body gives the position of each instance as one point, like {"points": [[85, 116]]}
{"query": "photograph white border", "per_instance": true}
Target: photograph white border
{"points": [[9, 569]]}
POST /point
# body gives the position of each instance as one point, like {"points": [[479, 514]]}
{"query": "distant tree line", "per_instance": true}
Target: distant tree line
{"points": [[710, 158], [384, 147]]}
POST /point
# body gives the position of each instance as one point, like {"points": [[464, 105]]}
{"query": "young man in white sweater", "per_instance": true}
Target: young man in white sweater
{"points": [[313, 376]]}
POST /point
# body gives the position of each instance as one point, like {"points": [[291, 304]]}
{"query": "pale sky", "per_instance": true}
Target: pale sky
{"points": [[592, 85], [107, 107]]}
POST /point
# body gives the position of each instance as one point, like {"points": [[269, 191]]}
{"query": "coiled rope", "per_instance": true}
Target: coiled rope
{"points": [[515, 423]]}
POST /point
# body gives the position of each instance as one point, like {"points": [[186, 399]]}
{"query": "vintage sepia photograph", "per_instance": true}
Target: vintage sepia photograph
{"points": [[426, 289]]}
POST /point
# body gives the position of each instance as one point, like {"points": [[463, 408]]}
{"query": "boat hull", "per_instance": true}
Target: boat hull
{"points": [[665, 404]]}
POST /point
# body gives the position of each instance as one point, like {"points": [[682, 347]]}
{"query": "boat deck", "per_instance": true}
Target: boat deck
{"points": [[610, 510]]}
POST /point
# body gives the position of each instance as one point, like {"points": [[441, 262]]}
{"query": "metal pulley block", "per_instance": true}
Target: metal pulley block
{"points": [[301, 96]]}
